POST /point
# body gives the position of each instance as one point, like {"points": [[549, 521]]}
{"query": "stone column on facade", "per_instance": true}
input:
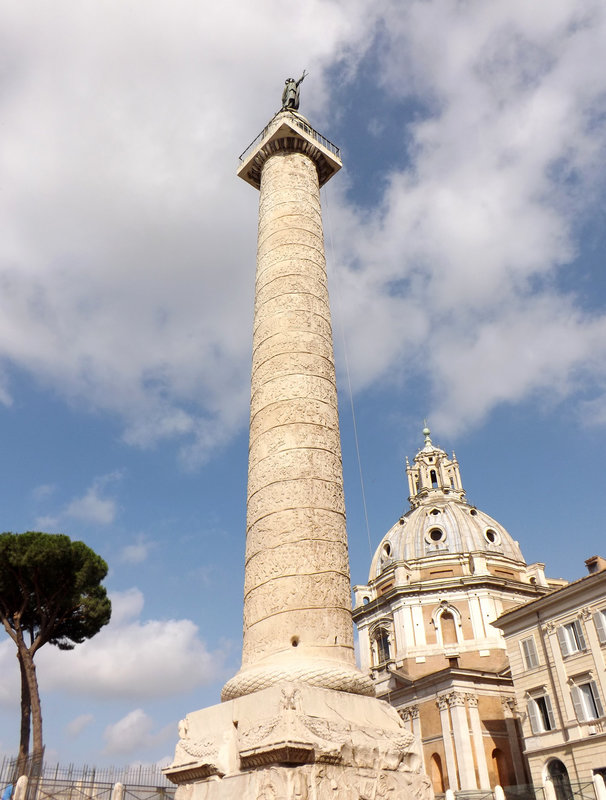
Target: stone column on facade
{"points": [[416, 730], [513, 727], [462, 740], [451, 764], [478, 741]]}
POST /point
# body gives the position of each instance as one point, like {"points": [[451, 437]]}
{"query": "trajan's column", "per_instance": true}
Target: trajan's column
{"points": [[298, 720]]}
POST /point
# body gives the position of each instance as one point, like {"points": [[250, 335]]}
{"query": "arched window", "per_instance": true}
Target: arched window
{"points": [[382, 646], [558, 773], [434, 479], [448, 626], [437, 774]]}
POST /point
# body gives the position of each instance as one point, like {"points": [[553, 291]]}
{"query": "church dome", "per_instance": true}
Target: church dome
{"points": [[441, 525]]}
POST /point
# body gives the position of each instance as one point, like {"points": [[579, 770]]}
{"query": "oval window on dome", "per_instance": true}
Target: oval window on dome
{"points": [[492, 537], [387, 549], [436, 535]]}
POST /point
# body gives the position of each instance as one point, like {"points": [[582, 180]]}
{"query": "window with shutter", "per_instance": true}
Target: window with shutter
{"points": [[529, 652], [533, 716], [571, 638], [577, 701], [540, 714], [563, 640], [586, 700], [577, 630], [548, 713], [599, 620], [596, 699]]}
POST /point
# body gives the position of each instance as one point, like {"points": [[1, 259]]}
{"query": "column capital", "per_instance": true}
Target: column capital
{"points": [[456, 699]]}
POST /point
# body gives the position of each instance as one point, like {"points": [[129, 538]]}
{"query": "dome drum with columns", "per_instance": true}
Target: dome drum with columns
{"points": [[440, 576]]}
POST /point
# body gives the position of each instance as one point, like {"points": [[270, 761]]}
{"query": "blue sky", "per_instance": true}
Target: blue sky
{"points": [[465, 239]]}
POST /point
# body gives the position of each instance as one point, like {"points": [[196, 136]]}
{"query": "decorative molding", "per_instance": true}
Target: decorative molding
{"points": [[456, 699], [442, 702]]}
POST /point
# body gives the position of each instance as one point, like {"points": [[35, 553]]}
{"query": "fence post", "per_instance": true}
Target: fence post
{"points": [[599, 786], [118, 791], [21, 788]]}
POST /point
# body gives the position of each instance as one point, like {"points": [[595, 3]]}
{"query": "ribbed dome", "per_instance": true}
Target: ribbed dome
{"points": [[441, 523], [443, 528]]}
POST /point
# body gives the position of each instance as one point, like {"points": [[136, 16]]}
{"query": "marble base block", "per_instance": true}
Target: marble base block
{"points": [[294, 741]]}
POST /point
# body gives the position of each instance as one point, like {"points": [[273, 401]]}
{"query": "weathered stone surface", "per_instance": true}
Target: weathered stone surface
{"points": [[298, 741], [299, 721], [292, 525]]}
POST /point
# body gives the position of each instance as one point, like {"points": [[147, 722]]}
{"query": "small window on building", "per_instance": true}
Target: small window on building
{"points": [[571, 638], [436, 535], [529, 653], [434, 479], [599, 620], [435, 511], [448, 628], [473, 512], [540, 714], [491, 536], [382, 647], [586, 700], [387, 549]]}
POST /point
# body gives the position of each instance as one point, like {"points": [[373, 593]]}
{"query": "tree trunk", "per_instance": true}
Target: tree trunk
{"points": [[27, 659], [26, 714]]}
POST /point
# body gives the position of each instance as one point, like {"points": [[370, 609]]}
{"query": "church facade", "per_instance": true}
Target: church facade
{"points": [[438, 580]]}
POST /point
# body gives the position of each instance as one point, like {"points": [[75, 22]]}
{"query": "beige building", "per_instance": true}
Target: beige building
{"points": [[438, 580], [557, 651]]}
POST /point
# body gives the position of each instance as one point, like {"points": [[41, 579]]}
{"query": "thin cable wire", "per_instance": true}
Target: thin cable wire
{"points": [[347, 373]]}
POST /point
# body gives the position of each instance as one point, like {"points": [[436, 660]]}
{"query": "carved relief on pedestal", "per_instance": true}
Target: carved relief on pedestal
{"points": [[309, 738], [195, 759]]}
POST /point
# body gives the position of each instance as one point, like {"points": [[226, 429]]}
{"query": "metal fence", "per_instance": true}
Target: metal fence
{"points": [[59, 782]]}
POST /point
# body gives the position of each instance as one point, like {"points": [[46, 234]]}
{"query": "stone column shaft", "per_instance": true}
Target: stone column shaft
{"points": [[297, 602]]}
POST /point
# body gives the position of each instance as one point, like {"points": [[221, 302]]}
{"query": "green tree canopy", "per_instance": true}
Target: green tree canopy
{"points": [[50, 591]]}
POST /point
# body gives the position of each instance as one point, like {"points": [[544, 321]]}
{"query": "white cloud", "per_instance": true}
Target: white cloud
{"points": [[128, 245], [137, 552], [126, 606], [129, 242], [133, 658], [134, 732], [454, 277], [43, 491], [77, 725], [93, 506]]}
